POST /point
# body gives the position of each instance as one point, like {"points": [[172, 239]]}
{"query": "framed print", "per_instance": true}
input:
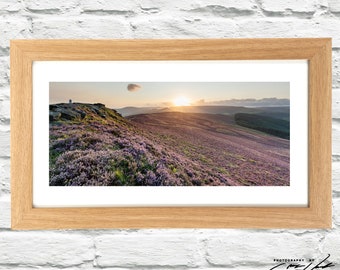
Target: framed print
{"points": [[223, 133]]}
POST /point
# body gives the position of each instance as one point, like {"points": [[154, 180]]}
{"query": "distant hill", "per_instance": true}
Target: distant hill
{"points": [[277, 112], [264, 102], [267, 124], [230, 106], [91, 145]]}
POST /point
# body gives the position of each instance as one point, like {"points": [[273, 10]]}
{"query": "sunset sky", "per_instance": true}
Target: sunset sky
{"points": [[140, 94]]}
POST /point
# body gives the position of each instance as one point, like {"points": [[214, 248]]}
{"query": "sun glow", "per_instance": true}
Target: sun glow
{"points": [[181, 101]]}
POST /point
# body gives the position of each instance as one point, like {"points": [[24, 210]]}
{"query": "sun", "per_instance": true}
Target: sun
{"points": [[181, 101]]}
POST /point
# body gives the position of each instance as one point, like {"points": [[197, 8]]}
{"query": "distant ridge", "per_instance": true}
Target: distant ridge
{"points": [[264, 102], [280, 112]]}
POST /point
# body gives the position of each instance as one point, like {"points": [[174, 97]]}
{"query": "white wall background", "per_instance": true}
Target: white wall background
{"points": [[133, 19]]}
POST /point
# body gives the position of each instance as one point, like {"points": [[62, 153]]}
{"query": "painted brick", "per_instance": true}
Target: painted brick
{"points": [[4, 71], [4, 175], [290, 5], [232, 8], [13, 28], [10, 5], [39, 249], [4, 187], [336, 176], [200, 6], [4, 109], [49, 6], [4, 125], [249, 248], [236, 5], [182, 28], [334, 5], [4, 144], [83, 266], [138, 250], [336, 69], [336, 137], [109, 6], [5, 217], [286, 27], [336, 211], [331, 245], [336, 104], [80, 28], [4, 92]]}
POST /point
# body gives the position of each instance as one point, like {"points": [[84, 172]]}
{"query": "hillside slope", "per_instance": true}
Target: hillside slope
{"points": [[240, 155], [267, 124], [93, 145]]}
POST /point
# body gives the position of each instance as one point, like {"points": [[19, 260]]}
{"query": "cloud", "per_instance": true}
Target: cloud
{"points": [[133, 87]]}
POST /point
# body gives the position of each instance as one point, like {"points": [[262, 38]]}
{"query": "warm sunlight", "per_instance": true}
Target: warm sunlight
{"points": [[181, 101]]}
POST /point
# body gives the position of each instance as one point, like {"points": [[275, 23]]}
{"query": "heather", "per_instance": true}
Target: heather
{"points": [[238, 155], [91, 145]]}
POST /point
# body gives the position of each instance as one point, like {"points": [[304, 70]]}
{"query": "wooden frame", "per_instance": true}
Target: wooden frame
{"points": [[316, 215]]}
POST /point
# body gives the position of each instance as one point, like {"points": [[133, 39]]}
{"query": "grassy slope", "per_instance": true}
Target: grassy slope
{"points": [[102, 148], [242, 156], [267, 124]]}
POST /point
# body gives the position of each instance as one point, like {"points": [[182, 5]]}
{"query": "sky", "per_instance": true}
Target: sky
{"points": [[141, 94]]}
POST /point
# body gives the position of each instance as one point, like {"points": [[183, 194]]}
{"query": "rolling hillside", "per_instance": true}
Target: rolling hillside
{"points": [[93, 145], [267, 124]]}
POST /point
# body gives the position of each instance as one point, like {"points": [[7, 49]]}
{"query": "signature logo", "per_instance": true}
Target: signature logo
{"points": [[301, 265]]}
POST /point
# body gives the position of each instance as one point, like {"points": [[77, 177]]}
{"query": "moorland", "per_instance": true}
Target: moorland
{"points": [[92, 145]]}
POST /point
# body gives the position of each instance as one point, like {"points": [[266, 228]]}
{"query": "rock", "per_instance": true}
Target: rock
{"points": [[80, 111], [69, 115], [55, 116]]}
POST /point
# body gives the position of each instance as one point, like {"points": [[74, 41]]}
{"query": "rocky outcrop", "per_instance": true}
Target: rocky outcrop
{"points": [[80, 111]]}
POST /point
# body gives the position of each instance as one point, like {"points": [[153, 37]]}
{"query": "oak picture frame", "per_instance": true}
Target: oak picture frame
{"points": [[318, 214]]}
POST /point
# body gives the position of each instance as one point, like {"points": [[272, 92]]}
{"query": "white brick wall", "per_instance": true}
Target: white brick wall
{"points": [[81, 27], [336, 211], [163, 249], [334, 6], [10, 6], [39, 248], [299, 6], [247, 248], [166, 26], [331, 245], [4, 72], [50, 6], [162, 6], [4, 172], [12, 27], [170, 250], [292, 27], [336, 176]]}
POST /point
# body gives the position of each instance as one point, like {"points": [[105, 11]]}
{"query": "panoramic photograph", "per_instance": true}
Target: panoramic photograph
{"points": [[169, 134]]}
